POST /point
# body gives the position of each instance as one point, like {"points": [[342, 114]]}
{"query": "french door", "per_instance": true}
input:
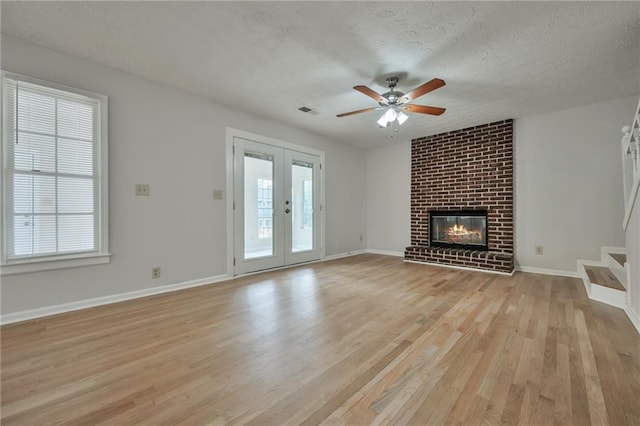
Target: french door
{"points": [[276, 206]]}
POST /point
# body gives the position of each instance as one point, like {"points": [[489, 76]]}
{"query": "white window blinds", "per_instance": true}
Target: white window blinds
{"points": [[51, 180]]}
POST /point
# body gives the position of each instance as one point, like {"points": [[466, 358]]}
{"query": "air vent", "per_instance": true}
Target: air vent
{"points": [[308, 110]]}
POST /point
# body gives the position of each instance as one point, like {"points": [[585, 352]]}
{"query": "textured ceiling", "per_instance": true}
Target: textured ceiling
{"points": [[500, 60]]}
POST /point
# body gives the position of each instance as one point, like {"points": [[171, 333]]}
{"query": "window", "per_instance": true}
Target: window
{"points": [[54, 186], [307, 204], [265, 208]]}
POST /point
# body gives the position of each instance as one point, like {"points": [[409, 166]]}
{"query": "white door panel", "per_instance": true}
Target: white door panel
{"points": [[276, 206], [302, 180], [258, 232]]}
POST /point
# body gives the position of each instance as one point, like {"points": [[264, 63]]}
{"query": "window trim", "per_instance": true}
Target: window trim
{"points": [[46, 263]]}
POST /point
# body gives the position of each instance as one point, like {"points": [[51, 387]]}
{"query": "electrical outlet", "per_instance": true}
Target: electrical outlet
{"points": [[143, 189], [218, 194], [361, 239], [538, 249], [155, 272]]}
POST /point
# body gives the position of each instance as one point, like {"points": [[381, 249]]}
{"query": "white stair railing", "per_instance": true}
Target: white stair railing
{"points": [[631, 164]]}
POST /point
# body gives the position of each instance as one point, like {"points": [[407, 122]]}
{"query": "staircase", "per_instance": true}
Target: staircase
{"points": [[606, 281], [615, 279]]}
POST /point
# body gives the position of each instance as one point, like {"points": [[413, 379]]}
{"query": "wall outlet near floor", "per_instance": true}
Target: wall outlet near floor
{"points": [[155, 272], [539, 249], [360, 238], [143, 189]]}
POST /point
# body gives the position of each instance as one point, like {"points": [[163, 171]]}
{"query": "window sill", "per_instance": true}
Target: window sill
{"points": [[50, 264]]}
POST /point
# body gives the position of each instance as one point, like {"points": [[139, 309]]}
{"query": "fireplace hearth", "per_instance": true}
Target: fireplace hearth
{"points": [[465, 229]]}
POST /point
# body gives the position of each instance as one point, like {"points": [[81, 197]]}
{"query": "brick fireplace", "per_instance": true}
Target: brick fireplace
{"points": [[463, 175]]}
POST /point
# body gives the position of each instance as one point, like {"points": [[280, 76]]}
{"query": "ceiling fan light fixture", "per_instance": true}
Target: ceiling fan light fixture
{"points": [[393, 102], [402, 117], [390, 115]]}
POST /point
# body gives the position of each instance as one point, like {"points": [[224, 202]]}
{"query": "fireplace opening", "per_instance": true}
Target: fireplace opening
{"points": [[460, 229]]}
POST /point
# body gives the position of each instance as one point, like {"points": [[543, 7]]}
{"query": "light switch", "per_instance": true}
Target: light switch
{"points": [[218, 194]]}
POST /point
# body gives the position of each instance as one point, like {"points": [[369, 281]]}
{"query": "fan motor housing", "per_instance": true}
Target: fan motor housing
{"points": [[392, 96]]}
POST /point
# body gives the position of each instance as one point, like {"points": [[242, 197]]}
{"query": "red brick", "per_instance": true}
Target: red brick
{"points": [[468, 168]]}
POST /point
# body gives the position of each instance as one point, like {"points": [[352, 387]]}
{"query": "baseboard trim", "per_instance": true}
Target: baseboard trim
{"points": [[463, 268], [121, 297], [106, 300], [545, 271], [386, 252], [115, 298], [346, 254], [633, 316]]}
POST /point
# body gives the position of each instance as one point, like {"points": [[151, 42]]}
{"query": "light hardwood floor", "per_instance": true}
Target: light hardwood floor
{"points": [[360, 340]]}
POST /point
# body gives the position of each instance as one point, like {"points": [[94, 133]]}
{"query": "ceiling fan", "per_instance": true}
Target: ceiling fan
{"points": [[396, 103]]}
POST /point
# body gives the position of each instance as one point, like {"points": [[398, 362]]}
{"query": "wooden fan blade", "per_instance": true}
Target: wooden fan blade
{"points": [[424, 109], [429, 86], [372, 94], [344, 114]]}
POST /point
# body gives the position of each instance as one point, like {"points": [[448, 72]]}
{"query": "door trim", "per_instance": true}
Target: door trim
{"points": [[230, 134]]}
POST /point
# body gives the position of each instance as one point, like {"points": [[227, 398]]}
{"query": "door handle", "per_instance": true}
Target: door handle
{"points": [[287, 210]]}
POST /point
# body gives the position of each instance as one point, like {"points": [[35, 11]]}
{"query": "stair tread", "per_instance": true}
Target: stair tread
{"points": [[603, 276], [621, 258]]}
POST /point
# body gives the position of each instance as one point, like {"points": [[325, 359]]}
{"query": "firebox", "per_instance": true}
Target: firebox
{"points": [[459, 229]]}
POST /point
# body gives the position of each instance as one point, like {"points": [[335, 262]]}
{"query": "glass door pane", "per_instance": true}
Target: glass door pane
{"points": [[301, 206], [276, 206], [302, 180], [258, 205]]}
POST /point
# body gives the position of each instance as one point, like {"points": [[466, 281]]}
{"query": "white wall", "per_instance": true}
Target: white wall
{"points": [[568, 189], [175, 142], [389, 198]]}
